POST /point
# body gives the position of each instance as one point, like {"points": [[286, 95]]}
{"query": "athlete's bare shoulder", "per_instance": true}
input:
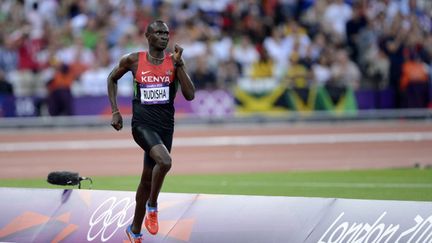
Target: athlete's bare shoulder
{"points": [[129, 60]]}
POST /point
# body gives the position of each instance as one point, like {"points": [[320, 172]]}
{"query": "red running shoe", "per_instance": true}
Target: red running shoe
{"points": [[151, 220]]}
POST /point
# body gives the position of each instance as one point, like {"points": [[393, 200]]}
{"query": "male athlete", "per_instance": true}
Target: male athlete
{"points": [[156, 77]]}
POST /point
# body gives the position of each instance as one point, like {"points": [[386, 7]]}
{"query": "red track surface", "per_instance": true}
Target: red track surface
{"points": [[219, 159]]}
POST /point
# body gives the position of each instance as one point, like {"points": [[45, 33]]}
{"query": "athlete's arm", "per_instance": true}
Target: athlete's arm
{"points": [[187, 86], [118, 71]]}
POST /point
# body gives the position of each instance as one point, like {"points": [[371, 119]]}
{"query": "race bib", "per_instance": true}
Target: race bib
{"points": [[154, 93]]}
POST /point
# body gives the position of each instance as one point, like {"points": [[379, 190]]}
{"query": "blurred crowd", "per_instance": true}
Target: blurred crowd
{"points": [[61, 49]]}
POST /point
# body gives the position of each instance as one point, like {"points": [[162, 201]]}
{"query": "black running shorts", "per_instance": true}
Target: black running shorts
{"points": [[147, 137]]}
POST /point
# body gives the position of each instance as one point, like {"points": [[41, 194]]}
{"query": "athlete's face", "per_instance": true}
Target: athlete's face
{"points": [[159, 36]]}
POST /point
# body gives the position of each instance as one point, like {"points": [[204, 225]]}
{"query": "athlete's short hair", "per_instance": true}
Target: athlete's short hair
{"points": [[150, 27]]}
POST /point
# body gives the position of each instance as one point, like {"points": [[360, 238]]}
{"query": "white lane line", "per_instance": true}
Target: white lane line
{"points": [[314, 184], [221, 141]]}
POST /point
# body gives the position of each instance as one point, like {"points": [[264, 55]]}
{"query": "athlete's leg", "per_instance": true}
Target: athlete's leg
{"points": [[161, 156], [142, 195], [157, 147], [145, 139]]}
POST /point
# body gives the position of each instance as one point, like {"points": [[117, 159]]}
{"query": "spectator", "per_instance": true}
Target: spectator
{"points": [[392, 45], [313, 16], [262, 68], [203, 77], [93, 80], [428, 48], [345, 73], [60, 100], [317, 47], [26, 77], [91, 34], [353, 28], [296, 40], [222, 47], [414, 45], [7, 99], [321, 71], [27, 49], [245, 52], [336, 16], [377, 70], [297, 75], [274, 44], [77, 49], [367, 41], [6, 87], [228, 73], [36, 20], [260, 77], [8, 55], [414, 83]]}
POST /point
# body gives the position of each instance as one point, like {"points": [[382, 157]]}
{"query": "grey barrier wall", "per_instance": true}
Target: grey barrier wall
{"points": [[55, 215]]}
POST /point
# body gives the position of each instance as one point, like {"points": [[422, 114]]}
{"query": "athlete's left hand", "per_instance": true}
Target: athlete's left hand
{"points": [[178, 50]]}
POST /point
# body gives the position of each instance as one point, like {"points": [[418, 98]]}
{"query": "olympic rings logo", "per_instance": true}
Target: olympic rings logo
{"points": [[109, 217]]}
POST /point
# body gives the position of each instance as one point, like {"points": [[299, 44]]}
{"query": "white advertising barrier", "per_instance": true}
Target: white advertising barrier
{"points": [[55, 215], [375, 221]]}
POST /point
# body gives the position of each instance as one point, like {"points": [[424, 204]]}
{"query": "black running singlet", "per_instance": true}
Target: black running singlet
{"points": [[155, 88]]}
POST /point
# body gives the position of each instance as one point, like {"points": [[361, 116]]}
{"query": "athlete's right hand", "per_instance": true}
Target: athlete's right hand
{"points": [[117, 121]]}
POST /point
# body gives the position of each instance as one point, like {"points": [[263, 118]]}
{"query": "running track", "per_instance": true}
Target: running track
{"points": [[220, 148]]}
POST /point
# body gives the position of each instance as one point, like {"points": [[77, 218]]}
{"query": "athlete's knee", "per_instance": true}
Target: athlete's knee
{"points": [[165, 163], [162, 158]]}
